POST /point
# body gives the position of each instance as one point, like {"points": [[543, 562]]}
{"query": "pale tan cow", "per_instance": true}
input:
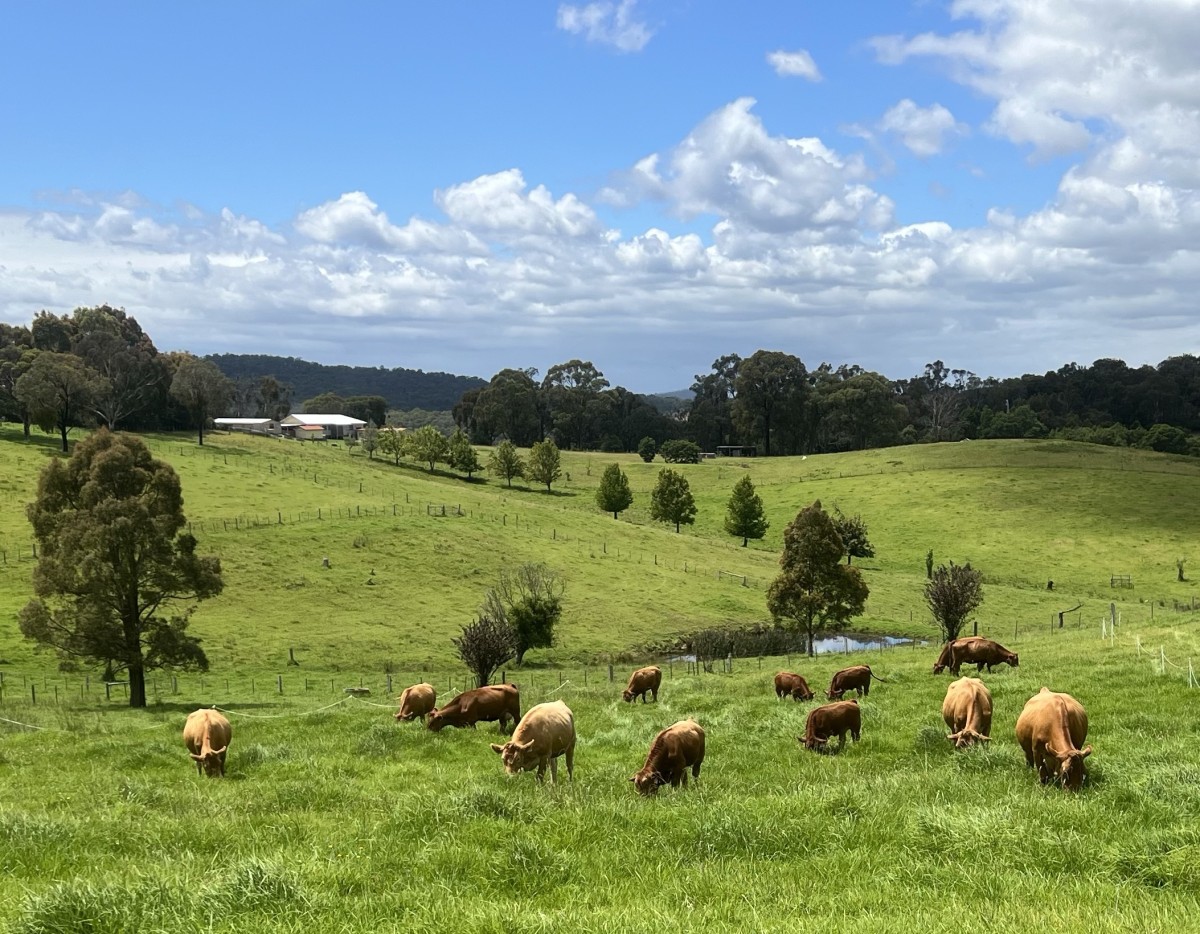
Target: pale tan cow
{"points": [[207, 734], [967, 711], [546, 732], [1050, 730], [416, 701]]}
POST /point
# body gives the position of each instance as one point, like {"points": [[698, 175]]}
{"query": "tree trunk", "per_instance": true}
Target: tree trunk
{"points": [[811, 650], [137, 686], [200, 431], [745, 541], [25, 424], [62, 430]]}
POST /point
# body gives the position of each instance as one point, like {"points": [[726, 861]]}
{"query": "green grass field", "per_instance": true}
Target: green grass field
{"points": [[337, 818]]}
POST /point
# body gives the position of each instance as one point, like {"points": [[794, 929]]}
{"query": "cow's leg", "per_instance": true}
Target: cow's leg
{"points": [[696, 769], [855, 732], [569, 755], [541, 773], [222, 772], [979, 667], [683, 776], [654, 691], [866, 691]]}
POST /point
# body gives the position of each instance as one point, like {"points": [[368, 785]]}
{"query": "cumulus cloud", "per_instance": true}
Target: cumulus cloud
{"points": [[797, 64], [924, 130], [498, 206], [605, 23]]}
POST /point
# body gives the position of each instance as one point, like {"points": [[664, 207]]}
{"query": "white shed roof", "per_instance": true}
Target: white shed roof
{"points": [[242, 421], [305, 418]]}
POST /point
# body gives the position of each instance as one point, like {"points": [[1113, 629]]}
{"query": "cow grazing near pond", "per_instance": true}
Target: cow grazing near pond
{"points": [[643, 681], [967, 711], [500, 702], [546, 732], [973, 650], [416, 701], [207, 734], [674, 750], [1051, 730], [855, 678], [828, 720], [788, 682]]}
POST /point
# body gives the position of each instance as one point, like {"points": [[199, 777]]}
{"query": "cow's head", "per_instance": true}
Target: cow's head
{"points": [[1070, 766], [517, 757], [938, 668], [799, 694], [813, 741], [1012, 659], [628, 695], [403, 716], [436, 720], [966, 737], [835, 694], [647, 783], [211, 762]]}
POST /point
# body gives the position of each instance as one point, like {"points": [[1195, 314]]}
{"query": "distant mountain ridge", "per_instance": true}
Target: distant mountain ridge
{"points": [[403, 389]]}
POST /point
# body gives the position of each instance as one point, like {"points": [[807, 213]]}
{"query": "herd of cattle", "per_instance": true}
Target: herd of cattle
{"points": [[1051, 729]]}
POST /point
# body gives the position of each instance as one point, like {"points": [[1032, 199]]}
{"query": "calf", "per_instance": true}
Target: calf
{"points": [[674, 749], [1050, 730], [855, 678], [500, 702], [643, 681], [416, 701], [973, 650], [967, 711], [823, 722], [206, 735], [788, 682], [546, 732]]}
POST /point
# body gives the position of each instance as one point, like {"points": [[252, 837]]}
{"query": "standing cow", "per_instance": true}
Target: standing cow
{"points": [[855, 678], [500, 702], [546, 732], [788, 682], [416, 701], [642, 682], [828, 720], [967, 711], [973, 650], [1050, 730], [674, 750], [207, 734]]}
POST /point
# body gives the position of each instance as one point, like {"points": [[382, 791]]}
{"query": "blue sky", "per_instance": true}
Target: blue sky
{"points": [[1007, 185]]}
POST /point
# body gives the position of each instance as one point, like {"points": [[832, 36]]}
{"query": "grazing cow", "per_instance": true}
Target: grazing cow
{"points": [[641, 682], [494, 702], [788, 682], [674, 749], [416, 701], [855, 678], [823, 722], [206, 735], [1050, 730], [967, 711], [546, 732], [974, 650]]}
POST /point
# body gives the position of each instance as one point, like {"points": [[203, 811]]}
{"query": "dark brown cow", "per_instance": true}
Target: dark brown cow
{"points": [[674, 749], [416, 701], [823, 722], [973, 650], [967, 711], [643, 681], [495, 702], [855, 678], [1050, 730], [207, 734], [788, 682]]}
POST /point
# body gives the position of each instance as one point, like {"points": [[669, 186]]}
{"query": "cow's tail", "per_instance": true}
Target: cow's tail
{"points": [[876, 677]]}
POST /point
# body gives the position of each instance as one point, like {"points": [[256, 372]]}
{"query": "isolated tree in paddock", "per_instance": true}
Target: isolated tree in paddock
{"points": [[545, 463], [114, 560], [114, 345], [391, 442], [202, 389], [484, 646], [672, 500], [614, 494], [647, 448], [370, 440], [952, 594], [427, 445], [814, 590], [529, 600], [59, 389], [745, 517], [462, 455], [853, 531], [504, 461]]}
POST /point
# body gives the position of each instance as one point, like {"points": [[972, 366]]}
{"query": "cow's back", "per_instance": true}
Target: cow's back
{"points": [[549, 726], [1042, 715], [210, 722], [968, 699]]}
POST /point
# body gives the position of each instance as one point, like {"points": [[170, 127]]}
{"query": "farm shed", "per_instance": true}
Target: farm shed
{"points": [[257, 426], [334, 427], [309, 433]]}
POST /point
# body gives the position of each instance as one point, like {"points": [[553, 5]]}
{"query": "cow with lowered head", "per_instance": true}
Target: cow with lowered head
{"points": [[500, 702], [546, 732], [642, 682], [788, 682], [1051, 730], [967, 711], [674, 750], [855, 678], [416, 701], [207, 734], [829, 720], [973, 650]]}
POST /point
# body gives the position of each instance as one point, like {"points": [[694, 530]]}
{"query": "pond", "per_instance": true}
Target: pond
{"points": [[830, 645]]}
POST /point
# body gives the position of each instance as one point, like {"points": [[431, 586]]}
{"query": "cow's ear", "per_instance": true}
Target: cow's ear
{"points": [[1085, 752], [498, 750]]}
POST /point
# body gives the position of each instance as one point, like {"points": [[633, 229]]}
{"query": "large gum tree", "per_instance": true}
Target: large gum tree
{"points": [[117, 577]]}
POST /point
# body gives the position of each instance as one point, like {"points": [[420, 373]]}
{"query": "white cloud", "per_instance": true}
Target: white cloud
{"points": [[797, 64], [605, 23], [923, 130], [498, 206]]}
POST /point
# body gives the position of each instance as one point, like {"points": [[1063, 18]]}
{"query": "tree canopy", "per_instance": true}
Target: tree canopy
{"points": [[59, 390], [672, 500], [952, 594], [505, 461], [745, 517], [545, 463], [529, 600], [614, 494], [202, 389]]}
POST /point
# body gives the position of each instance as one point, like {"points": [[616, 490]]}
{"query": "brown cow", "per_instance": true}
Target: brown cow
{"points": [[674, 749], [546, 732], [855, 678], [974, 650], [416, 701], [823, 722], [1050, 730], [967, 711], [494, 702], [643, 681], [788, 682], [206, 735]]}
